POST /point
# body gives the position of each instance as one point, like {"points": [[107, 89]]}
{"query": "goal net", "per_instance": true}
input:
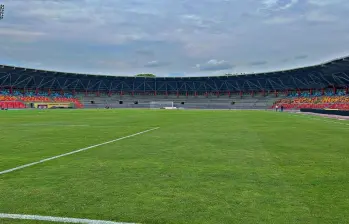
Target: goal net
{"points": [[161, 105]]}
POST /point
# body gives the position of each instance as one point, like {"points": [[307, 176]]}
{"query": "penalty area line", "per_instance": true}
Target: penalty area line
{"points": [[57, 219], [73, 152]]}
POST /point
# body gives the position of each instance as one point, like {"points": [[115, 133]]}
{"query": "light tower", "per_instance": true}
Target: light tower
{"points": [[2, 9]]}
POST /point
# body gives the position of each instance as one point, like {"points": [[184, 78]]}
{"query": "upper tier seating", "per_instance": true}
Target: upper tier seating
{"points": [[34, 99], [7, 98]]}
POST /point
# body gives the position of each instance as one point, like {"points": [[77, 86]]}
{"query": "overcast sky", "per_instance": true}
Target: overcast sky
{"points": [[172, 37]]}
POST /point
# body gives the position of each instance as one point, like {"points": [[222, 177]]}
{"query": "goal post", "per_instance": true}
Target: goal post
{"points": [[162, 105]]}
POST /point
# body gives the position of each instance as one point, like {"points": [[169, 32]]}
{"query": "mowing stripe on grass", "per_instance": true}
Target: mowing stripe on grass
{"points": [[57, 219], [55, 125], [76, 151]]}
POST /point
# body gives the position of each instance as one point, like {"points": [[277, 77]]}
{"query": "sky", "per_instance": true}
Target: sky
{"points": [[172, 37]]}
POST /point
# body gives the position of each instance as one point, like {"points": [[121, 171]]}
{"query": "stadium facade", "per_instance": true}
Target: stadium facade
{"points": [[333, 74]]}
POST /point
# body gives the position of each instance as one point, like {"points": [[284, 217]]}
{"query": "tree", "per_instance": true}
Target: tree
{"points": [[146, 75]]}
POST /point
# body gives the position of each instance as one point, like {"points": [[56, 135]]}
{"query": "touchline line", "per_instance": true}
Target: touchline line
{"points": [[73, 152], [57, 219]]}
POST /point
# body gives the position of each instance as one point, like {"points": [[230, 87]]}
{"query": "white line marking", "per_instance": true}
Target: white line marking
{"points": [[76, 151], [312, 117], [57, 219]]}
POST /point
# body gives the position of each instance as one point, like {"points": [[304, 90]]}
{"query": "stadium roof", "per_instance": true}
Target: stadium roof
{"points": [[332, 73]]}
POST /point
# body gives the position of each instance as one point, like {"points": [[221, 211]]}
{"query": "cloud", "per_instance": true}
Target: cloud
{"points": [[303, 56], [176, 75], [214, 65], [281, 20], [154, 64], [318, 16], [277, 5], [289, 4], [257, 63], [166, 36], [145, 52], [325, 2], [21, 35]]}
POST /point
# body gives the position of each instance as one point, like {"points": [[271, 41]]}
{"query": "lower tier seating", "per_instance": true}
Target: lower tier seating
{"points": [[11, 105], [31, 97], [325, 102]]}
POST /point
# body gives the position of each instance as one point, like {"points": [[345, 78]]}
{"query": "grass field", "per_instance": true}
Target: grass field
{"points": [[200, 167]]}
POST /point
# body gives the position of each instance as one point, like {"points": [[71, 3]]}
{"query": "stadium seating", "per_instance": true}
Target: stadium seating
{"points": [[329, 101], [327, 98], [7, 98], [16, 99], [11, 105], [34, 99], [340, 106]]}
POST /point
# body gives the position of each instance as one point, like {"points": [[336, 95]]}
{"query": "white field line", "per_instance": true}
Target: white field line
{"points": [[57, 219], [312, 117], [76, 151]]}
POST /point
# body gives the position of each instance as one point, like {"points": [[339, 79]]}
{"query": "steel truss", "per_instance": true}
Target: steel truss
{"points": [[333, 74]]}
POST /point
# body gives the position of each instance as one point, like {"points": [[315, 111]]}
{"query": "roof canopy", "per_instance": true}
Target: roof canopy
{"points": [[333, 73]]}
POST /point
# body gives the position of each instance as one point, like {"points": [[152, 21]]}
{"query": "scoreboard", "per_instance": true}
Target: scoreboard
{"points": [[2, 9]]}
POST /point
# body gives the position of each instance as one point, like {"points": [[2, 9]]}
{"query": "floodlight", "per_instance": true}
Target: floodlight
{"points": [[2, 10]]}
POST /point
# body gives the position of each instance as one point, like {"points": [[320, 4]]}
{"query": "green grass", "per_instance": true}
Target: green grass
{"points": [[200, 167]]}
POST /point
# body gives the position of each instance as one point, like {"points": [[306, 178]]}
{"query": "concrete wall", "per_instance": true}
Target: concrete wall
{"points": [[190, 102]]}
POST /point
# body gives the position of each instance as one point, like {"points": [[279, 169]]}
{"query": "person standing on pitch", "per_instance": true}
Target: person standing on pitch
{"points": [[277, 108]]}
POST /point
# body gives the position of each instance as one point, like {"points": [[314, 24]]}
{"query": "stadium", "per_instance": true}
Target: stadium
{"points": [[318, 87], [266, 147], [165, 172]]}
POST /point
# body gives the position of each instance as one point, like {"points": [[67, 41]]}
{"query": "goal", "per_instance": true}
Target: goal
{"points": [[161, 105]]}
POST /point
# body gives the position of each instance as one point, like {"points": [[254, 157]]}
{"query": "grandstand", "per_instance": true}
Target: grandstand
{"points": [[319, 86]]}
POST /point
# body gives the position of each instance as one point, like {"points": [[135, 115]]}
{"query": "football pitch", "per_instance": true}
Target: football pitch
{"points": [[174, 166]]}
